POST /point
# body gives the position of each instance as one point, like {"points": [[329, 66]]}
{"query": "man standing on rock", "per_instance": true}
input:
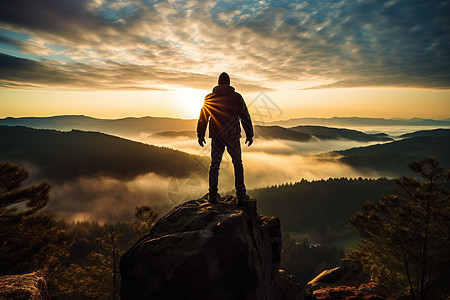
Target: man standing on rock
{"points": [[223, 108]]}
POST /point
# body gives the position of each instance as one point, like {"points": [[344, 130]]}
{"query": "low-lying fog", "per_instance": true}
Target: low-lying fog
{"points": [[266, 163]]}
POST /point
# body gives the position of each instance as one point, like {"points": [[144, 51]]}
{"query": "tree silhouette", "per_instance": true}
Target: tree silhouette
{"points": [[147, 217], [406, 235], [29, 240], [35, 197], [110, 257], [97, 277]]}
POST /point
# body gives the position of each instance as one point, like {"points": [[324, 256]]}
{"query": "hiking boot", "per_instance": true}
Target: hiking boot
{"points": [[243, 200], [213, 198]]}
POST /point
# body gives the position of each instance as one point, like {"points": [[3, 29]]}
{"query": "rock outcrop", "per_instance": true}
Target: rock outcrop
{"points": [[348, 281], [208, 251], [27, 286]]}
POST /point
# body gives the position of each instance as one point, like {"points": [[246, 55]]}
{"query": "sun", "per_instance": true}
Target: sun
{"points": [[191, 102]]}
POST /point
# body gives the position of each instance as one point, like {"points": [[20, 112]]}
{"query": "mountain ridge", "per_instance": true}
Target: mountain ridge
{"points": [[127, 127], [65, 155], [151, 124], [393, 157], [433, 132], [360, 121], [298, 134], [329, 133]]}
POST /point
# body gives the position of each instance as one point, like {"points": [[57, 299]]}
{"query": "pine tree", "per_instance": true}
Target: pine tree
{"points": [[29, 240], [406, 236], [110, 256], [34, 197], [98, 278], [147, 218]]}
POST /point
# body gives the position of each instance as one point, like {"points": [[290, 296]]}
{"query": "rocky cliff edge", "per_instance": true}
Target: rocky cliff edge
{"points": [[208, 251]]}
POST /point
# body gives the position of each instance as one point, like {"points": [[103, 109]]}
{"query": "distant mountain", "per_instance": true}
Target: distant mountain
{"points": [[359, 122], [263, 132], [62, 156], [299, 134], [328, 133], [137, 128], [175, 134], [393, 158], [434, 132], [278, 132], [126, 127]]}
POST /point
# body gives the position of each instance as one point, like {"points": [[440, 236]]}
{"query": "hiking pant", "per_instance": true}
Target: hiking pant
{"points": [[234, 149]]}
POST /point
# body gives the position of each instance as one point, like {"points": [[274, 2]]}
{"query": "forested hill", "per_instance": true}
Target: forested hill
{"points": [[393, 158], [278, 132], [307, 133], [63, 156], [329, 133], [298, 134], [321, 208], [360, 122], [434, 132]]}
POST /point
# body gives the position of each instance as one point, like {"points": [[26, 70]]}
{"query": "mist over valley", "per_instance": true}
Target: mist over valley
{"points": [[98, 176]]}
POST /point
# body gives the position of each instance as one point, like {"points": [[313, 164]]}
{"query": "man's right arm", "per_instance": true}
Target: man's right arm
{"points": [[201, 125]]}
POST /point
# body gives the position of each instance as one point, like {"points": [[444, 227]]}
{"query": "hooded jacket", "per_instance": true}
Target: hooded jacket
{"points": [[223, 108]]}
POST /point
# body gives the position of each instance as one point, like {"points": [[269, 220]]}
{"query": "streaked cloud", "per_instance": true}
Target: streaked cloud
{"points": [[137, 44]]}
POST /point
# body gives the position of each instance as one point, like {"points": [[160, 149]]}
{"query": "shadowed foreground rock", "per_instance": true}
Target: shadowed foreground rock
{"points": [[208, 251], [26, 287]]}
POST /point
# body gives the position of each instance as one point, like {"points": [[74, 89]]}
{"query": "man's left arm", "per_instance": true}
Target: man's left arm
{"points": [[244, 115]]}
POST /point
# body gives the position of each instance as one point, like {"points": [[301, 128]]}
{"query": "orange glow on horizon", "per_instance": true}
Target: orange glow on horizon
{"points": [[186, 103]]}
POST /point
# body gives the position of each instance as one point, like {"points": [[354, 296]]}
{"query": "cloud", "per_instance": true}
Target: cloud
{"points": [[132, 44], [10, 41], [27, 73]]}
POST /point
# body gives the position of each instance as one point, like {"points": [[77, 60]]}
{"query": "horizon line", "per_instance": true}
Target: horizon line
{"points": [[273, 120]]}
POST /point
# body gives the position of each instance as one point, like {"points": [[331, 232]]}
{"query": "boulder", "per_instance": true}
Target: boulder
{"points": [[348, 281], [205, 251], [343, 292], [350, 273], [27, 287]]}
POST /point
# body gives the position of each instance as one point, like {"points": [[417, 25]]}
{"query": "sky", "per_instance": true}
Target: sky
{"points": [[119, 58]]}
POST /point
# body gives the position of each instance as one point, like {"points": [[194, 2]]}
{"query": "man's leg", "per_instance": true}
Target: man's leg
{"points": [[217, 148], [234, 149]]}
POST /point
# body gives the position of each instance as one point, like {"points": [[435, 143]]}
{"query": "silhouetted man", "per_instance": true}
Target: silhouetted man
{"points": [[223, 108]]}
